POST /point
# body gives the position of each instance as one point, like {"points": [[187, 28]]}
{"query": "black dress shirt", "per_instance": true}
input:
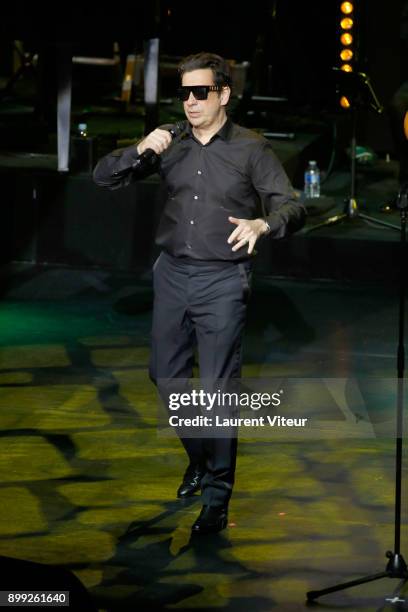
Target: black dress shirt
{"points": [[235, 174]]}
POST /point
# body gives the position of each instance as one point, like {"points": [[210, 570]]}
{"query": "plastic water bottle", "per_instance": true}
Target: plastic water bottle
{"points": [[312, 181], [82, 130], [82, 150]]}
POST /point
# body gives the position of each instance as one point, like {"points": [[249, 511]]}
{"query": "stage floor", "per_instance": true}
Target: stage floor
{"points": [[88, 484]]}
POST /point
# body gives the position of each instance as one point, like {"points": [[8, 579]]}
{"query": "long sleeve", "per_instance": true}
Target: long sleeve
{"points": [[283, 212], [121, 161]]}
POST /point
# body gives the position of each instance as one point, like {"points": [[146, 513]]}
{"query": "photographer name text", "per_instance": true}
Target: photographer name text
{"points": [[268, 421]]}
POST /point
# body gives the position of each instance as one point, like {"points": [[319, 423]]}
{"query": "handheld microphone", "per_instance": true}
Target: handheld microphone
{"points": [[149, 155]]}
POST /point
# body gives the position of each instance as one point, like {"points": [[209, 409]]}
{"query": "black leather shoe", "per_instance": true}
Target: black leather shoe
{"points": [[212, 519], [191, 483]]}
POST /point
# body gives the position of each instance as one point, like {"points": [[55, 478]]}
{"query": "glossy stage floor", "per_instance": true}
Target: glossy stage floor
{"points": [[88, 484]]}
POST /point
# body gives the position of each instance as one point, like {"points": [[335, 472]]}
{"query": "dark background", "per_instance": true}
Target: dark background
{"points": [[292, 45]]}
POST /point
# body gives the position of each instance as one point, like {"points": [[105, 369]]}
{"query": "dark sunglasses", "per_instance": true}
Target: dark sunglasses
{"points": [[200, 92]]}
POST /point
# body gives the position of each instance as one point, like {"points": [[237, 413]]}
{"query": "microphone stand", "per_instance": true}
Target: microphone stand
{"points": [[351, 211], [396, 566]]}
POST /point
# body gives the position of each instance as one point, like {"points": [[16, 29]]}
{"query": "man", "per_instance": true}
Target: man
{"points": [[226, 189]]}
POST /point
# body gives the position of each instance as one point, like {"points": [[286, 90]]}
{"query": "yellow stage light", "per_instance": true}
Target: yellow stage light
{"points": [[346, 39], [346, 51], [346, 23], [347, 7], [346, 55]]}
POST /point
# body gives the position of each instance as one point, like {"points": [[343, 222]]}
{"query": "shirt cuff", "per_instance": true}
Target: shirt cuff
{"points": [[276, 225]]}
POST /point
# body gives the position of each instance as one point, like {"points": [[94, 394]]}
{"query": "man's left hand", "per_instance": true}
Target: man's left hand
{"points": [[246, 232]]}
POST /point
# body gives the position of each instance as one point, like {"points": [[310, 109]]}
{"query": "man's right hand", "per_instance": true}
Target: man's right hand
{"points": [[158, 140]]}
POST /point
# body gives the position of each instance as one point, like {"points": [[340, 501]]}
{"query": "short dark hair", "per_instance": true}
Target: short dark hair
{"points": [[219, 66]]}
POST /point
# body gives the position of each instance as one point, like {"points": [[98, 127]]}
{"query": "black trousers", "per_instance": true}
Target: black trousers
{"points": [[201, 305]]}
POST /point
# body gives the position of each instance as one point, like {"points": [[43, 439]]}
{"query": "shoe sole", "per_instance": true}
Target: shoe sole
{"points": [[188, 495]]}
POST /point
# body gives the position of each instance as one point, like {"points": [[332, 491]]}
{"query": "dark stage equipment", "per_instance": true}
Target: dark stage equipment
{"points": [[26, 68], [360, 95], [396, 566], [151, 84]]}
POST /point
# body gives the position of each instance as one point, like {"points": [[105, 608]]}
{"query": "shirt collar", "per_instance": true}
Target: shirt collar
{"points": [[226, 130], [224, 133]]}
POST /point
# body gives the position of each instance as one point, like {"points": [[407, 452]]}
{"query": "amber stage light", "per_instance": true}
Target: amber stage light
{"points": [[346, 39], [346, 55], [347, 8], [346, 23], [344, 102]]}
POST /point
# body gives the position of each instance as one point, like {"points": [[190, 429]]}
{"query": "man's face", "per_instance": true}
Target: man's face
{"points": [[204, 113]]}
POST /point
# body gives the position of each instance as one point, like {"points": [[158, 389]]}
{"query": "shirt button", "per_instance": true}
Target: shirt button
{"points": [[188, 245], [199, 172], [192, 222], [196, 197]]}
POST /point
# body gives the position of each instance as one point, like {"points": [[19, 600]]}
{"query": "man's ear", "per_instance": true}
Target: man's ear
{"points": [[225, 95]]}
